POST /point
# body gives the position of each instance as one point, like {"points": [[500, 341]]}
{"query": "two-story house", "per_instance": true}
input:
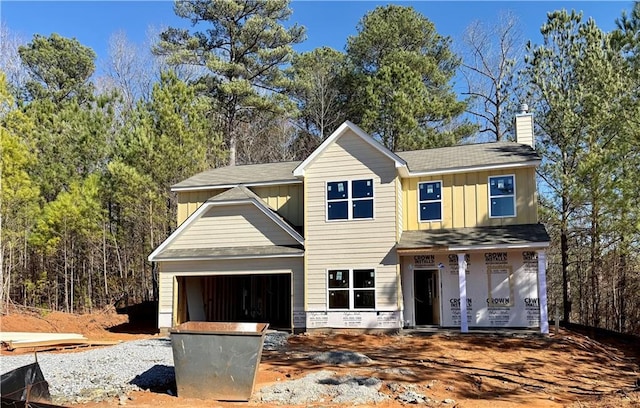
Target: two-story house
{"points": [[357, 236]]}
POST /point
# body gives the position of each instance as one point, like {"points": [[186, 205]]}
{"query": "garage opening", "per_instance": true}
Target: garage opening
{"points": [[236, 298]]}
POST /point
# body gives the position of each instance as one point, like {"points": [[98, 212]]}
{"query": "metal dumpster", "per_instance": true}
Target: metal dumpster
{"points": [[217, 360]]}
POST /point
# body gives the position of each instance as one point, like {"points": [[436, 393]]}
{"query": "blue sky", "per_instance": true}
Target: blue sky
{"points": [[328, 22]]}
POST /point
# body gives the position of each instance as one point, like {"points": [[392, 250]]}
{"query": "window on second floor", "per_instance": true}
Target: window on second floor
{"points": [[502, 197], [351, 289], [347, 200], [430, 201]]}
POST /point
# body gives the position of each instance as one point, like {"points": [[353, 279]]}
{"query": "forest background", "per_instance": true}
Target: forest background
{"points": [[88, 161]]}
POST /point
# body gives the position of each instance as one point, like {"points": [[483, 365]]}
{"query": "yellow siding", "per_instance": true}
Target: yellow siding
{"points": [[447, 197], [232, 226], [470, 190], [457, 194], [466, 200], [287, 200], [355, 243], [190, 201]]}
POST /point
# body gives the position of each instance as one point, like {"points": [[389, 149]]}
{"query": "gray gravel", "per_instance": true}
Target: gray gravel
{"points": [[324, 387], [103, 373]]}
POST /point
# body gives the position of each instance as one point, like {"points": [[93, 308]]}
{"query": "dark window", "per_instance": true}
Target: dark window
{"points": [[351, 289], [502, 196], [430, 201], [350, 200]]}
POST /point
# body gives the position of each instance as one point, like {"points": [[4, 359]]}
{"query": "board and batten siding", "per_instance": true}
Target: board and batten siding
{"points": [[190, 201], [351, 244], [285, 199], [167, 296], [466, 200], [239, 225]]}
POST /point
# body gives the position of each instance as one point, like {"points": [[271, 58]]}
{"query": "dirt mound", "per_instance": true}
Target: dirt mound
{"points": [[101, 325]]}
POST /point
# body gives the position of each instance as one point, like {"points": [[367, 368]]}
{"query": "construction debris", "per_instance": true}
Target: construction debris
{"points": [[45, 341]]}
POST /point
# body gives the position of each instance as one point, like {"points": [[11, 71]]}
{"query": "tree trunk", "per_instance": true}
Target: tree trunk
{"points": [[66, 280], [564, 254], [104, 261]]}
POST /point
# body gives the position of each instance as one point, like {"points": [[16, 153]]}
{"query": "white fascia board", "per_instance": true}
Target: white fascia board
{"points": [[215, 258], [530, 163], [399, 162], [499, 246], [179, 230], [221, 186], [267, 211]]}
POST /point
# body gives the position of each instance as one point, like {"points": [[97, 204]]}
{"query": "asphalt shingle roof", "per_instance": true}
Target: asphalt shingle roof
{"points": [[244, 174], [467, 156], [477, 236], [237, 193], [230, 252], [429, 160]]}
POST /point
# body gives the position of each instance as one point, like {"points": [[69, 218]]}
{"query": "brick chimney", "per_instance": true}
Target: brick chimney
{"points": [[524, 126]]}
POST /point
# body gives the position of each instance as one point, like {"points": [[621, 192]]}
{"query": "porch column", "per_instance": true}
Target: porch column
{"points": [[542, 291], [462, 282]]}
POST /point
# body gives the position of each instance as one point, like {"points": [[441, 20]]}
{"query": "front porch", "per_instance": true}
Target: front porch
{"points": [[481, 278]]}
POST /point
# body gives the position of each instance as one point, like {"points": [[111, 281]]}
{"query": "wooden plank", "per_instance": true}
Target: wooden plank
{"points": [[10, 345], [38, 336]]}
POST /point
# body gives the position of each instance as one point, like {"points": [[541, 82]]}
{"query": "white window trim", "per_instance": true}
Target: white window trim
{"points": [[515, 208], [351, 290], [431, 201], [349, 200]]}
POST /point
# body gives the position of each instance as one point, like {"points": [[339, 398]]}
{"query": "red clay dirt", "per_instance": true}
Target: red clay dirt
{"points": [[475, 370]]}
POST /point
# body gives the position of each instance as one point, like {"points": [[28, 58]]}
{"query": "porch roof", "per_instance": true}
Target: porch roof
{"points": [[266, 251], [458, 239]]}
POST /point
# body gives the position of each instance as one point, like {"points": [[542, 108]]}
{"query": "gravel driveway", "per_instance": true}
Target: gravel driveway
{"points": [[107, 372]]}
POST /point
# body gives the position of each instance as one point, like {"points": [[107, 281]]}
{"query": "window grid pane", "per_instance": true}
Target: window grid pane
{"points": [[502, 207], [501, 186], [431, 211], [338, 299], [430, 191], [363, 278], [337, 190], [338, 210], [362, 208], [362, 188], [339, 279], [364, 299]]}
